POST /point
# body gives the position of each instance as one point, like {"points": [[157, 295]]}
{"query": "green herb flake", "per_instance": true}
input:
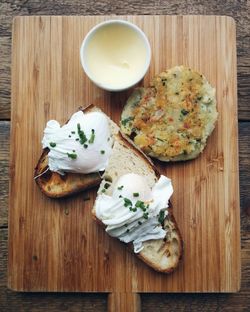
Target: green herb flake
{"points": [[52, 144], [184, 112], [139, 222], [127, 202], [102, 152], [85, 145], [145, 215], [103, 191], [120, 196], [73, 132], [106, 185], [92, 137], [140, 204], [160, 139], [161, 216], [126, 120], [136, 194], [120, 188], [72, 156], [126, 225], [77, 139], [81, 134], [127, 230]]}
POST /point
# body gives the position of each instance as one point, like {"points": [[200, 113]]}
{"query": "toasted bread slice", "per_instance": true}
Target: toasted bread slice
{"points": [[162, 255], [55, 185]]}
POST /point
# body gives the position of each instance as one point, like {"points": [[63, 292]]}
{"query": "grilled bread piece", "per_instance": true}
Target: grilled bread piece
{"points": [[172, 119], [161, 254], [55, 185]]}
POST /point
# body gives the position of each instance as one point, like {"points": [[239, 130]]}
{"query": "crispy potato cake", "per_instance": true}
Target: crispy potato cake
{"points": [[172, 119]]}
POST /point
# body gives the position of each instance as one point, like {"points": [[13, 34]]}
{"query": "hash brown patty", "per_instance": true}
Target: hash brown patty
{"points": [[172, 119]]}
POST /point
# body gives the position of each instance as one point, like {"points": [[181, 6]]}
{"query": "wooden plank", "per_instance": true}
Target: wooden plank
{"points": [[238, 10], [51, 302], [14, 301], [4, 177], [52, 87], [5, 55]]}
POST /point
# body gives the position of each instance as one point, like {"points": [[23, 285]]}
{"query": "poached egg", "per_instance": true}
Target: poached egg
{"points": [[83, 145], [134, 212]]}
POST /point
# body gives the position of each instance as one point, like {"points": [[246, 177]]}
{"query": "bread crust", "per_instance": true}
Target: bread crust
{"points": [[130, 144]]}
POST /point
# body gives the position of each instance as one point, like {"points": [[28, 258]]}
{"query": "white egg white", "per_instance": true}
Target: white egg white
{"points": [[65, 141], [125, 219]]}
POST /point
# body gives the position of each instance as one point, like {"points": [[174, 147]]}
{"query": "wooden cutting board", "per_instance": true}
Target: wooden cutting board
{"points": [[54, 245]]}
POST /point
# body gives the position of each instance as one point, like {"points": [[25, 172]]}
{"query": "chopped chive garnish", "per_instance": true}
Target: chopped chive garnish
{"points": [[145, 215], [120, 188], [127, 202], [77, 139], [126, 120], [161, 216], [120, 196], [85, 145], [103, 190], [72, 156], [126, 224], [184, 112], [139, 222], [136, 194], [81, 134], [52, 144], [73, 151], [102, 152], [127, 230], [92, 137], [69, 136], [106, 185], [73, 132], [160, 139], [140, 204]]}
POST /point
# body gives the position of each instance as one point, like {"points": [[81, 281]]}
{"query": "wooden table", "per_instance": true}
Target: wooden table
{"points": [[12, 301]]}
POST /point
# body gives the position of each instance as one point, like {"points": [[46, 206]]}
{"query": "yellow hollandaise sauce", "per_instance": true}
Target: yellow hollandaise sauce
{"points": [[115, 56]]}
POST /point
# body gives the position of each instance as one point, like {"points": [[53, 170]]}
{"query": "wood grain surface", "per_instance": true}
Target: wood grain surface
{"points": [[12, 301], [239, 10], [51, 250]]}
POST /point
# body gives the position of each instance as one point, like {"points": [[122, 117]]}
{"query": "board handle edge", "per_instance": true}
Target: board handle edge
{"points": [[123, 302]]}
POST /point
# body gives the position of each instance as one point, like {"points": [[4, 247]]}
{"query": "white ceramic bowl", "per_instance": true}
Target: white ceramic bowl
{"points": [[84, 60]]}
